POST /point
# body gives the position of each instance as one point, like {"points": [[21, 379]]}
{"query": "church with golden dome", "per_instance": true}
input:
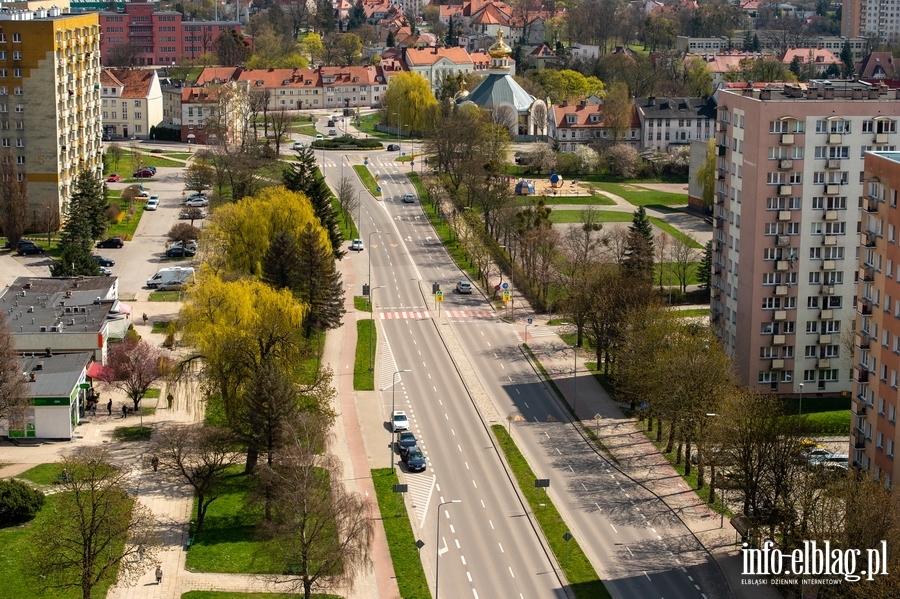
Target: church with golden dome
{"points": [[507, 101]]}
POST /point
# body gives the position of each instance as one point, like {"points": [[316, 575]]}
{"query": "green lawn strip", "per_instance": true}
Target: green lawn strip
{"points": [[674, 232], [152, 393], [361, 303], [642, 196], [580, 573], [588, 200], [690, 313], [604, 216], [146, 159], [401, 540], [367, 179], [227, 595], [131, 433], [367, 124], [42, 474], [128, 226], [15, 541], [165, 296], [827, 424], [159, 326], [367, 336], [180, 155], [228, 542]]}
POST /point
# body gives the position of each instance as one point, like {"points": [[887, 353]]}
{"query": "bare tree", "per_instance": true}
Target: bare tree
{"points": [[616, 242], [47, 219], [183, 232], [507, 117], [346, 197], [281, 124], [114, 151], [199, 456], [683, 259], [319, 528], [199, 176], [539, 116], [13, 403], [134, 367], [13, 198], [123, 56], [100, 533], [662, 252], [192, 213]]}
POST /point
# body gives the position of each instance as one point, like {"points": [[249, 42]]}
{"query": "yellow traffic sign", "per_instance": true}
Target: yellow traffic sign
{"points": [[439, 296], [507, 295]]}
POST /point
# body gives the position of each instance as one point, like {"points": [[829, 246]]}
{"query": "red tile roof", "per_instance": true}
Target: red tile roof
{"points": [[135, 83]]}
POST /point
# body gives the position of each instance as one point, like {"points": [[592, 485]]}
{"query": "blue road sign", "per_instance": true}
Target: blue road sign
{"points": [[505, 285], [378, 189], [529, 321]]}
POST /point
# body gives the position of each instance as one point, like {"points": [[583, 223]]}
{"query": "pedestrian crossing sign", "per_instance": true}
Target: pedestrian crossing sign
{"points": [[439, 296], [507, 295]]}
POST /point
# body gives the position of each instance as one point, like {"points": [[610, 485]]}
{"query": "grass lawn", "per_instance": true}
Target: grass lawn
{"points": [[367, 124], [147, 159], [367, 335], [165, 296], [15, 541], [226, 543], [614, 216], [694, 312], [132, 433], [581, 574], [832, 423], [227, 595], [361, 303], [641, 196], [42, 474], [128, 226], [159, 326], [400, 537], [367, 179], [180, 155]]}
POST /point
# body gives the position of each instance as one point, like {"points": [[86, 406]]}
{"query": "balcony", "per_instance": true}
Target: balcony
{"points": [[864, 307], [830, 215], [833, 164], [870, 205], [829, 240], [720, 222], [784, 215], [720, 198], [721, 174], [784, 190], [859, 442], [777, 364], [720, 246], [823, 363], [782, 241], [780, 290], [881, 138], [867, 239], [861, 375], [787, 139], [829, 264], [722, 150], [835, 138], [826, 314], [866, 274], [785, 165], [859, 408], [717, 269], [780, 315], [721, 126], [778, 339], [825, 339], [782, 265]]}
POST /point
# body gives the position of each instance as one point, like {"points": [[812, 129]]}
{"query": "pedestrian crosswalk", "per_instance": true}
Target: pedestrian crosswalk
{"points": [[424, 314]]}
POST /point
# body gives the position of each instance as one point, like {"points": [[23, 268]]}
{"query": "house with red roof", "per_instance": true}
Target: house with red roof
{"points": [[877, 65], [821, 57], [132, 102], [437, 62], [573, 125]]}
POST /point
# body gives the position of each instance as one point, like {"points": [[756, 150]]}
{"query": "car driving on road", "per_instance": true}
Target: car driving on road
{"points": [[464, 287], [409, 198], [399, 421]]}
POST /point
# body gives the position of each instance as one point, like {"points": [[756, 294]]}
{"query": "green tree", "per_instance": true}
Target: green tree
{"points": [[390, 42], [303, 176], [19, 503], [357, 16], [231, 49], [407, 101], [199, 177], [704, 274], [639, 246], [706, 174], [618, 109], [847, 64], [94, 530], [699, 78], [567, 85]]}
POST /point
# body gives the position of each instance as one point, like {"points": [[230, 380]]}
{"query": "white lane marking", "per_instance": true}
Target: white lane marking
{"points": [[460, 448], [509, 377], [438, 487], [429, 375], [613, 527], [691, 578], [653, 529], [647, 575], [447, 417], [501, 547], [473, 482], [482, 505], [451, 430], [526, 404], [548, 436], [517, 391], [683, 569], [495, 355], [463, 558], [469, 575], [435, 388], [502, 366], [511, 572], [489, 343], [598, 507], [584, 487], [572, 469], [467, 465], [439, 401], [443, 549], [457, 544], [629, 550], [557, 450], [492, 525]]}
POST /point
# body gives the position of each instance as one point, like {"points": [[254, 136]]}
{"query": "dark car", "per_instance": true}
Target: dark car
{"points": [[179, 252], [30, 247], [112, 242], [144, 173], [393, 147], [414, 460], [103, 261], [405, 442]]}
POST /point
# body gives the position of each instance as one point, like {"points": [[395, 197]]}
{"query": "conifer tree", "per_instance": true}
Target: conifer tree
{"points": [[303, 176]]}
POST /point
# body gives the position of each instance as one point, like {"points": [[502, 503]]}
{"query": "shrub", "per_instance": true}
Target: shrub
{"points": [[113, 211], [623, 161], [18, 502]]}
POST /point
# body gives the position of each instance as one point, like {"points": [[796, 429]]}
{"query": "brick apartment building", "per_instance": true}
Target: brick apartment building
{"points": [[790, 181], [161, 36]]}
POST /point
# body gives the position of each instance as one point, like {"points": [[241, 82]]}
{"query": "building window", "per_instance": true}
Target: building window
{"points": [[17, 37], [17, 55]]}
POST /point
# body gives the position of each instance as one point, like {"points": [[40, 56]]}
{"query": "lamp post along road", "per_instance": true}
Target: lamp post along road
{"points": [[801, 400], [437, 544], [359, 212], [393, 408], [372, 328], [369, 278]]}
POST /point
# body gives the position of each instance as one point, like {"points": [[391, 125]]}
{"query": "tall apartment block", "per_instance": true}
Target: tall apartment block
{"points": [[871, 18], [50, 102], [877, 361], [787, 221], [161, 37]]}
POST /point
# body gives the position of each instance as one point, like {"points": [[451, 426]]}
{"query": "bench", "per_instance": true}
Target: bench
{"points": [[293, 569]]}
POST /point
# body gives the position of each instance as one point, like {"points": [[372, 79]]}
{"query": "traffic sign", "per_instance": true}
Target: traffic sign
{"points": [[529, 321], [505, 285], [496, 287], [507, 295], [439, 296], [378, 189]]}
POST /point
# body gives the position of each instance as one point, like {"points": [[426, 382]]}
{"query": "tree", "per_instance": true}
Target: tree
{"points": [[706, 174], [639, 246], [542, 159], [86, 221], [320, 287], [303, 176], [391, 41], [312, 47], [346, 198], [192, 213], [94, 531], [683, 256], [123, 56], [183, 232], [199, 177], [134, 367], [13, 198], [407, 101], [316, 525], [567, 85], [622, 161], [199, 456], [350, 48], [19, 503], [231, 49], [74, 260], [699, 78], [705, 273], [847, 62], [618, 109], [114, 152]]}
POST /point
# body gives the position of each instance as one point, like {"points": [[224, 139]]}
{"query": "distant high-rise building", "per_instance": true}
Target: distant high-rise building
{"points": [[877, 19], [787, 221], [50, 103]]}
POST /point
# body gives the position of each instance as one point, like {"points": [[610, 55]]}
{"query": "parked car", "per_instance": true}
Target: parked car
{"points": [[143, 195], [197, 202], [24, 249], [144, 173], [152, 204], [113, 178], [393, 147], [319, 137], [414, 460], [103, 261], [191, 244], [357, 245], [194, 196], [463, 287], [409, 198], [191, 214], [405, 441], [112, 242], [105, 271], [332, 132], [298, 145], [180, 252], [399, 421]]}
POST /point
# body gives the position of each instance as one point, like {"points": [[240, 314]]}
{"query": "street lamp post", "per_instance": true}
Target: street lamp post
{"points": [[369, 280], [359, 210], [372, 331], [342, 165], [393, 407], [399, 129], [801, 400], [437, 545]]}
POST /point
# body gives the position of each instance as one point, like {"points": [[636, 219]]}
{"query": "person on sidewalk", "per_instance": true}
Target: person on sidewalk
{"points": [[109, 407], [124, 411], [145, 319], [154, 461], [158, 574]]}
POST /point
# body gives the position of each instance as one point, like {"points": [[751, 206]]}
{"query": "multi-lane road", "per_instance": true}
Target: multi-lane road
{"points": [[489, 546]]}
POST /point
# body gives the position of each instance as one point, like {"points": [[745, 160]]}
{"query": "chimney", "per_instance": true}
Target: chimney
{"points": [[39, 366], [651, 101], [435, 50], [33, 376], [48, 352]]}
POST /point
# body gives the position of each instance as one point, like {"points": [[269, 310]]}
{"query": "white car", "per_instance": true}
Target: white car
{"points": [[298, 145], [319, 137], [409, 198], [463, 287], [143, 195], [152, 204], [197, 202], [357, 245], [187, 215], [399, 421], [191, 244]]}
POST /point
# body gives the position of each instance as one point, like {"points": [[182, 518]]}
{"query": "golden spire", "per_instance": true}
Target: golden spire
{"points": [[499, 49]]}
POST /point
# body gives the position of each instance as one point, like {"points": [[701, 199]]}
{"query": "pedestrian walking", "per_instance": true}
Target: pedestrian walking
{"points": [[140, 552], [158, 574], [154, 461], [109, 408], [124, 411], [94, 409], [145, 319]]}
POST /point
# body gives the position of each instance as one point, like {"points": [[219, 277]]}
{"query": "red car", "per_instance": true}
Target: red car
{"points": [[113, 178], [144, 173]]}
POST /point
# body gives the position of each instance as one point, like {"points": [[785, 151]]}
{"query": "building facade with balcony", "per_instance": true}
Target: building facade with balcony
{"points": [[50, 127], [874, 435], [787, 220], [159, 37]]}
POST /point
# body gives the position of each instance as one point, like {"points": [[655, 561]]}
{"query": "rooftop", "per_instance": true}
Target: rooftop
{"points": [[55, 375], [78, 304], [892, 156]]}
